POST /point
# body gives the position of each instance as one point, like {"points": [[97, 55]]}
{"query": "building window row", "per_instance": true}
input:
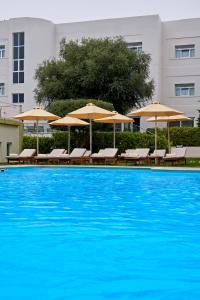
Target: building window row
{"points": [[185, 51], [18, 57], [185, 89], [2, 51], [2, 89]]}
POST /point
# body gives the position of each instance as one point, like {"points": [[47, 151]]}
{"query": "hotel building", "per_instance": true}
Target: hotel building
{"points": [[174, 47]]}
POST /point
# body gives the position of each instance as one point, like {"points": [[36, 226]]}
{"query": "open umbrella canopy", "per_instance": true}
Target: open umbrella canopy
{"points": [[36, 114], [154, 109], [169, 119], [115, 119], [69, 121], [90, 112]]}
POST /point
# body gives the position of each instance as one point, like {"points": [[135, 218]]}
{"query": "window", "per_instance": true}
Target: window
{"points": [[2, 51], [175, 124], [18, 98], [189, 123], [187, 89], [2, 89], [185, 51], [8, 148], [18, 57], [137, 47]]}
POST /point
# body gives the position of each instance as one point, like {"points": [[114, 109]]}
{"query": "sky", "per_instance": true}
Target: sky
{"points": [[64, 11]]}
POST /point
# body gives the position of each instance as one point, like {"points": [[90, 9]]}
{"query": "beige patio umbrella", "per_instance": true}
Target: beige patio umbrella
{"points": [[154, 110], [37, 114], [169, 120], [115, 119], [69, 121], [90, 112]]}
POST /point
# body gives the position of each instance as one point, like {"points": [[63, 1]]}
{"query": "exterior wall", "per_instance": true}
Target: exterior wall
{"points": [[39, 45], [181, 70], [11, 131], [147, 30], [42, 40]]}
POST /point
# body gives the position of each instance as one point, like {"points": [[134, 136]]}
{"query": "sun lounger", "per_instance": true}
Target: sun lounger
{"points": [[86, 157], [139, 155], [105, 155], [77, 155], [27, 155], [127, 153], [157, 155], [53, 156], [176, 155], [97, 156]]}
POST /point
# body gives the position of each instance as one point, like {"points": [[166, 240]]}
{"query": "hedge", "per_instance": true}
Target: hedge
{"points": [[186, 136], [124, 140]]}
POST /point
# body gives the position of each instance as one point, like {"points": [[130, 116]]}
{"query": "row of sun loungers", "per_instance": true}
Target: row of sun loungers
{"points": [[83, 156]]}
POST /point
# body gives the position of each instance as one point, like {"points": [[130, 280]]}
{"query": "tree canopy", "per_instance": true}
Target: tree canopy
{"points": [[99, 69], [63, 107]]}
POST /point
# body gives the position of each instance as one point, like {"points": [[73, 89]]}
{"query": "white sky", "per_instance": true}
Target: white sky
{"points": [[63, 11]]}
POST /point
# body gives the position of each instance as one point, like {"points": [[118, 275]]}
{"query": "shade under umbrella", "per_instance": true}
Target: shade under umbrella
{"points": [[115, 119], [36, 114], [90, 112], [69, 121], [154, 110], [169, 120]]}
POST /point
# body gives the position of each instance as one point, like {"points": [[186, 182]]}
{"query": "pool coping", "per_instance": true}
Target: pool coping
{"points": [[156, 168]]}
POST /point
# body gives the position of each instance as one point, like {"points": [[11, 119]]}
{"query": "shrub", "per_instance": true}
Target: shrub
{"points": [[45, 143], [63, 107], [124, 140], [186, 136]]}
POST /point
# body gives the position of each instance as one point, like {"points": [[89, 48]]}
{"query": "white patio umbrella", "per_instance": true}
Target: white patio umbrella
{"points": [[69, 121], [170, 119], [154, 110], [90, 112], [37, 114], [115, 119]]}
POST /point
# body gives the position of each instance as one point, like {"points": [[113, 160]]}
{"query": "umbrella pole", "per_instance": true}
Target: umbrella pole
{"points": [[37, 137], [156, 133], [114, 135], [69, 132], [168, 135], [91, 135]]}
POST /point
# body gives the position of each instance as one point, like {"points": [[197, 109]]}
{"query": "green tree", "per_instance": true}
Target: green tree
{"points": [[98, 69]]}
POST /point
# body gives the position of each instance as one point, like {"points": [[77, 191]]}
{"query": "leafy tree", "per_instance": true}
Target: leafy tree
{"points": [[63, 107], [98, 69]]}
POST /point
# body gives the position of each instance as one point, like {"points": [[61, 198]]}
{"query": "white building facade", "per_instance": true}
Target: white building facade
{"points": [[174, 48]]}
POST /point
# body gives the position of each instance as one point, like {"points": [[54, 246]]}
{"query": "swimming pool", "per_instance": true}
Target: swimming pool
{"points": [[84, 233]]}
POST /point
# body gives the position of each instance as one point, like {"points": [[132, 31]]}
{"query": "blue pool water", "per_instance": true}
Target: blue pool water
{"points": [[94, 234]]}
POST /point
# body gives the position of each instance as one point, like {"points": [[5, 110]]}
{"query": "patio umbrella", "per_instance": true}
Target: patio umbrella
{"points": [[115, 119], [169, 120], [37, 114], [69, 121], [154, 110], [90, 112]]}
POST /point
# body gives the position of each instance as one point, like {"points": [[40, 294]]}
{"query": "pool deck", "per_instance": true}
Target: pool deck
{"points": [[103, 166]]}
